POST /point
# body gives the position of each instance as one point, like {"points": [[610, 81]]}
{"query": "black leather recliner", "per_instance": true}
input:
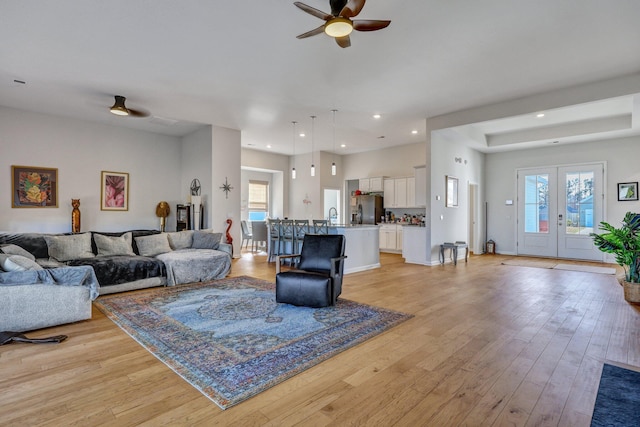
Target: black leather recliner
{"points": [[316, 280]]}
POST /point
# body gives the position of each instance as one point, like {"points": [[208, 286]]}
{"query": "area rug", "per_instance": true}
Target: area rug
{"points": [[556, 266], [231, 340], [618, 398]]}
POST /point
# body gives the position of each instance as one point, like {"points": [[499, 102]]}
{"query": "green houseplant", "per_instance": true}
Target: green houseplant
{"points": [[624, 243]]}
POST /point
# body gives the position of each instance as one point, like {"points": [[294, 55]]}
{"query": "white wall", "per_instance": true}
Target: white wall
{"points": [[620, 155], [391, 162], [196, 163], [448, 224], [80, 151]]}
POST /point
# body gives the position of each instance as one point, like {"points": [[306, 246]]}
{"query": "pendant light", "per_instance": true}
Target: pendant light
{"points": [[293, 169], [333, 164], [313, 167]]}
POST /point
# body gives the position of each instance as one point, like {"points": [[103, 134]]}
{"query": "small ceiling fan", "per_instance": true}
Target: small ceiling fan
{"points": [[339, 23], [120, 109]]}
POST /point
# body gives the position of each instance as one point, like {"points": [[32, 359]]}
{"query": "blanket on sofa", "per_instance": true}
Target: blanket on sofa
{"points": [[195, 265], [65, 276]]}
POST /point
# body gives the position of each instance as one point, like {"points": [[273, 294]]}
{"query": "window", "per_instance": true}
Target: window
{"points": [[258, 200]]}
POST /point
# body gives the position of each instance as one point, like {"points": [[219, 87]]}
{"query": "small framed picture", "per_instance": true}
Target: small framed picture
{"points": [[451, 200], [627, 191], [114, 191], [34, 187]]}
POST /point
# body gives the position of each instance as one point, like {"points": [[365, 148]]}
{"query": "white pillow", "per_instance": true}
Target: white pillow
{"points": [[180, 239], [18, 263], [113, 245], [153, 245], [73, 246]]}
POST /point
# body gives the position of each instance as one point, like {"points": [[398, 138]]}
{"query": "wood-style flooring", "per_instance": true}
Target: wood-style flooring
{"points": [[490, 345]]}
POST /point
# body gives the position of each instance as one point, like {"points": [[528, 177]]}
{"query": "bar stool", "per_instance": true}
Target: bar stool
{"points": [[300, 227], [320, 226], [274, 239]]}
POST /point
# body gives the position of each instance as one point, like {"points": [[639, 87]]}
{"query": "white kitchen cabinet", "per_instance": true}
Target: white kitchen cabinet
{"points": [[400, 186], [388, 239], [376, 184], [399, 234], [364, 184], [411, 192], [389, 193], [420, 186]]}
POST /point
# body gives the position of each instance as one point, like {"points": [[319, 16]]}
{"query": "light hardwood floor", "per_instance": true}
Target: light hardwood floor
{"points": [[490, 344]]}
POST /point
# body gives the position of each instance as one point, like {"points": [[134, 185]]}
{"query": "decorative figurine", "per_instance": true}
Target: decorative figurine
{"points": [[75, 216], [162, 211]]}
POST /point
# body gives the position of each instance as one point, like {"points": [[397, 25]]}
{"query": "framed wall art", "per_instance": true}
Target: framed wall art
{"points": [[114, 191], [627, 191], [451, 200], [34, 187]]}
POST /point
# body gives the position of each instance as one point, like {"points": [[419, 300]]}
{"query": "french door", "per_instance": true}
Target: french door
{"points": [[557, 209]]}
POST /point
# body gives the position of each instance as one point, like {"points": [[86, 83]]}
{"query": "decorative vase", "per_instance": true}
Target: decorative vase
{"points": [[75, 216], [631, 292]]}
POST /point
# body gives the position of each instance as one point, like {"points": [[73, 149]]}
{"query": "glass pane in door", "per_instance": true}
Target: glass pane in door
{"points": [[579, 202], [536, 208]]}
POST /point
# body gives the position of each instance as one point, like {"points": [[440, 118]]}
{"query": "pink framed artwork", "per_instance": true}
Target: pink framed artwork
{"points": [[34, 187], [114, 191]]}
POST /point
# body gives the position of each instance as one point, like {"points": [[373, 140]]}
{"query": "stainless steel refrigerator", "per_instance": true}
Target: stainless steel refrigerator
{"points": [[367, 209]]}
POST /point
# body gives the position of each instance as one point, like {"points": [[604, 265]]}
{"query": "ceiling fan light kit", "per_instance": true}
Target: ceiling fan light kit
{"points": [[338, 27], [118, 107]]}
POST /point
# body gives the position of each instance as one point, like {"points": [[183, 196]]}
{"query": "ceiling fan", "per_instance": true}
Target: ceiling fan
{"points": [[120, 109], [339, 23]]}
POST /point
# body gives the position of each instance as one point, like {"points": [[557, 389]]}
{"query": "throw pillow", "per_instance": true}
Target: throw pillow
{"points": [[180, 239], [206, 240], [153, 245], [113, 245], [11, 249], [73, 246], [18, 263]]}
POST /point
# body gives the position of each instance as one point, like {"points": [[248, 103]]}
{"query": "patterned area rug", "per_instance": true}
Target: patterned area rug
{"points": [[231, 340]]}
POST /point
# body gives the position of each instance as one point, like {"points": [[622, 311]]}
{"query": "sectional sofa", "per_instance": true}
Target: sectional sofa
{"points": [[49, 279]]}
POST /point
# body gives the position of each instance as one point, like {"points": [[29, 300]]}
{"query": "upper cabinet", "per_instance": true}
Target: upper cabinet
{"points": [[368, 185], [395, 193], [420, 186]]}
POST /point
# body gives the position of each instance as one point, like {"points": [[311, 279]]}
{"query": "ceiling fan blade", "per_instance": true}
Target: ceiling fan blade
{"points": [[369, 25], [313, 32], [313, 11], [352, 8], [138, 113], [343, 41]]}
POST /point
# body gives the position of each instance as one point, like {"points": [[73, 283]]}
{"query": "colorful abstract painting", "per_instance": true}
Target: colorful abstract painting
{"points": [[114, 191], [34, 187]]}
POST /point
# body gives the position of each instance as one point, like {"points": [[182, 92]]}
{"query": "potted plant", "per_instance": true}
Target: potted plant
{"points": [[624, 243]]}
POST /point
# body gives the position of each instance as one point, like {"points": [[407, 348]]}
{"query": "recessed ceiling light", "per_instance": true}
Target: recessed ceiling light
{"points": [[302, 135], [415, 132], [540, 115], [376, 116], [268, 145], [343, 145]]}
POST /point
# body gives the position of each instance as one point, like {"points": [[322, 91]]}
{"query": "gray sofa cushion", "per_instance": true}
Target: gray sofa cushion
{"points": [[68, 247], [153, 245], [206, 240], [10, 249], [180, 239], [113, 245]]}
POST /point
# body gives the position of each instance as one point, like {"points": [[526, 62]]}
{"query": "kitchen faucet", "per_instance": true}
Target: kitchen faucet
{"points": [[331, 216]]}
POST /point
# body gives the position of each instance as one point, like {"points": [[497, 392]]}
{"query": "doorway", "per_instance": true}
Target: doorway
{"points": [[558, 207]]}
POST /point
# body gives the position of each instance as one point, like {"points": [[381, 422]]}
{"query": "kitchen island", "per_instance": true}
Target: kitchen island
{"points": [[361, 247]]}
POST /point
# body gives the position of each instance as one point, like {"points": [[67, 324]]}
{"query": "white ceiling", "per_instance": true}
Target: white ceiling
{"points": [[237, 64]]}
